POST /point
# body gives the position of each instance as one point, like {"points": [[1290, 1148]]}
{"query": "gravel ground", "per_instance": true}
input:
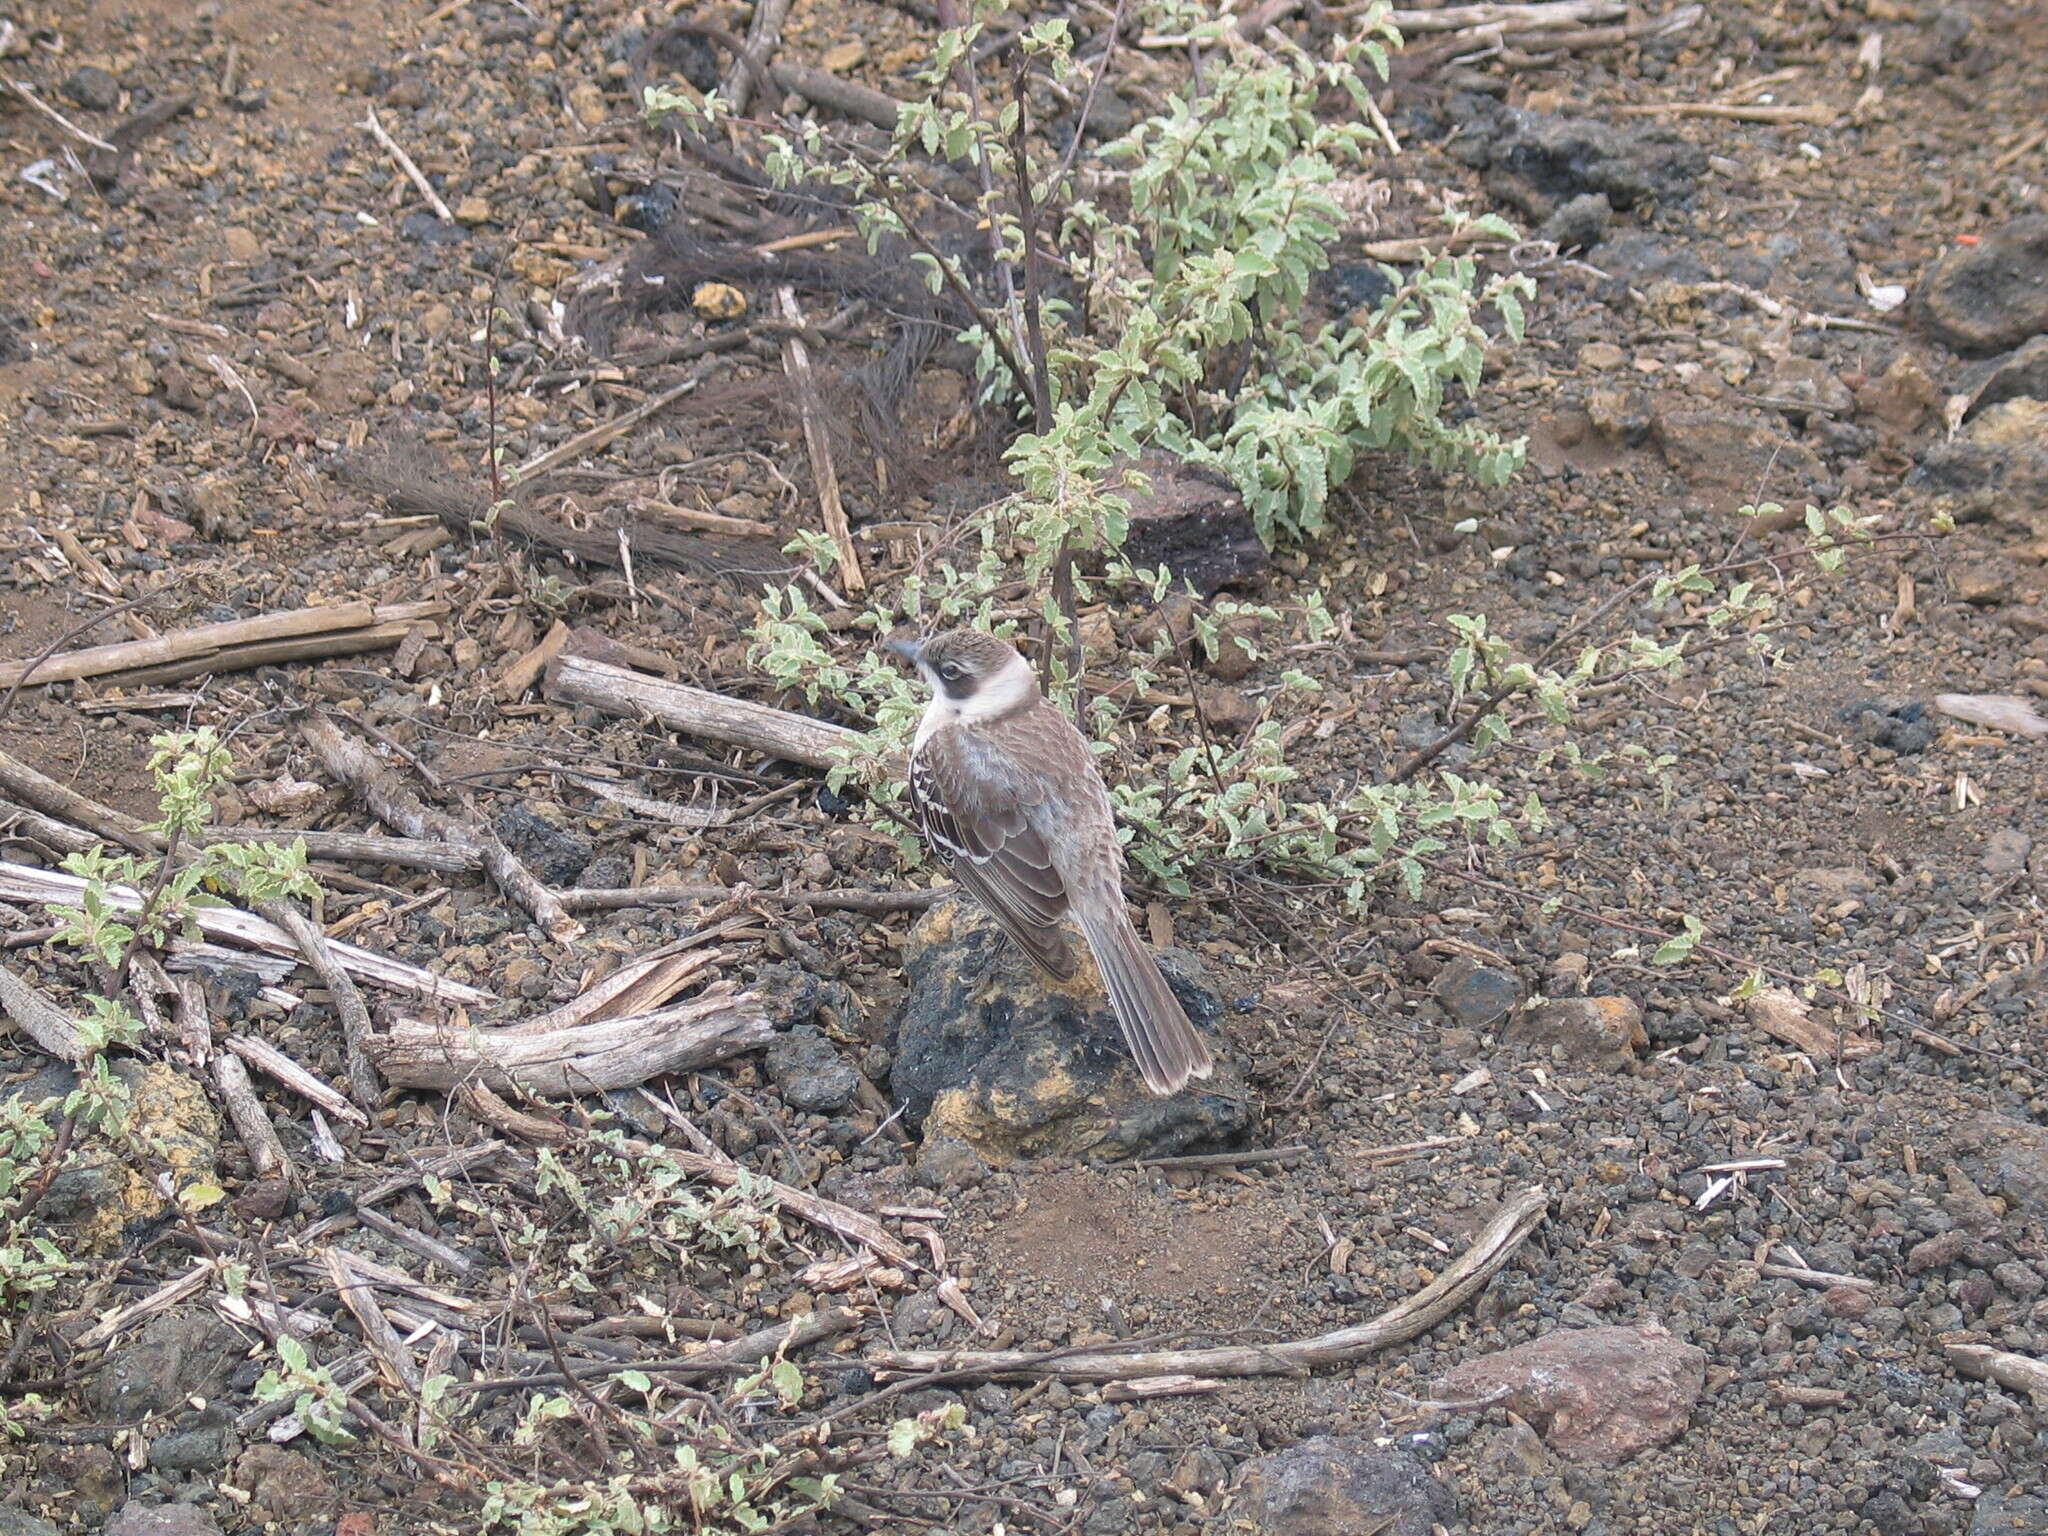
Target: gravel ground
{"points": [[184, 351]]}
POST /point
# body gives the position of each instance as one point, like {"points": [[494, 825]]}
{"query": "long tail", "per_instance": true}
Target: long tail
{"points": [[1168, 1050]]}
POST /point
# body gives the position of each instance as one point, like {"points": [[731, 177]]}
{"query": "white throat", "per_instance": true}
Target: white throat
{"points": [[1007, 690]]}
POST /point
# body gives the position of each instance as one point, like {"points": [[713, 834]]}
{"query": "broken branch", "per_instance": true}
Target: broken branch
{"points": [[733, 722]]}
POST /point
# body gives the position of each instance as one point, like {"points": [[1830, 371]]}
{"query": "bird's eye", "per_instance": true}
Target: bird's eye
{"points": [[950, 672]]}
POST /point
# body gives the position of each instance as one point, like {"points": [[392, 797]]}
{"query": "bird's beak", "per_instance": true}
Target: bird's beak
{"points": [[911, 651]]}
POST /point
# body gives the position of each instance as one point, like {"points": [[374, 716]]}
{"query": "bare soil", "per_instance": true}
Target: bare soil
{"points": [[185, 351]]}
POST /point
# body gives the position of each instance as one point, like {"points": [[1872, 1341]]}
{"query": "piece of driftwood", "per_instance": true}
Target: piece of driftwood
{"points": [[611, 899], [359, 848], [2016, 1373], [252, 1121], [586, 1058], [1459, 1282], [712, 716], [810, 404], [217, 646], [397, 806], [50, 1027], [23, 882], [268, 1059]]}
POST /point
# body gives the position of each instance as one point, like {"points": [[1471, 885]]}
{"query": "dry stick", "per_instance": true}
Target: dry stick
{"points": [[382, 1340], [713, 716], [268, 1059], [252, 1121], [1456, 18], [29, 96], [593, 899], [597, 437], [205, 640], [796, 362], [357, 847], [1816, 115], [43, 793], [398, 807], [764, 33], [1424, 1310], [855, 1226], [740, 1354], [195, 1029], [405, 164], [2017, 1373], [1281, 1155], [348, 998], [23, 882], [50, 1027], [587, 1058]]}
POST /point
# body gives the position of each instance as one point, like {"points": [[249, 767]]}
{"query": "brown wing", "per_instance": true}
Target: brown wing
{"points": [[980, 824]]}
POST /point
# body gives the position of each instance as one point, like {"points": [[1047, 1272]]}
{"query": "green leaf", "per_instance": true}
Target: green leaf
{"points": [[1677, 950]]}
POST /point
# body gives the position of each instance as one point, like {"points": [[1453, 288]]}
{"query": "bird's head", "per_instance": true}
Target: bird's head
{"points": [[978, 675]]}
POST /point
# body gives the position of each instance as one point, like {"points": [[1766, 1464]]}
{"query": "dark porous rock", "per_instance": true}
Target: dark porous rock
{"points": [[19, 1522], [93, 88], [93, 1476], [139, 1519], [178, 1354], [426, 229], [1903, 726], [1191, 520], [794, 997], [1343, 1483], [1537, 162], [1579, 222], [1594, 1031], [944, 1163], [97, 1199], [283, 1486], [811, 1074], [2009, 1158], [1595, 1395], [189, 1450], [2018, 375], [1644, 257], [2009, 1514], [1477, 996], [995, 1054], [1992, 296], [555, 856], [1995, 470]]}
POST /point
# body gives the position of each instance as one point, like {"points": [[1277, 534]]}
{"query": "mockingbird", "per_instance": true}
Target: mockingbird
{"points": [[1006, 789]]}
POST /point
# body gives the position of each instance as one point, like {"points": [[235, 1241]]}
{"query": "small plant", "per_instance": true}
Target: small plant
{"points": [[316, 1398], [188, 767], [41, 1141]]}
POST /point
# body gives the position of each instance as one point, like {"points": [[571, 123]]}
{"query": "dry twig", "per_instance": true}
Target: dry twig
{"points": [[1420, 1312]]}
